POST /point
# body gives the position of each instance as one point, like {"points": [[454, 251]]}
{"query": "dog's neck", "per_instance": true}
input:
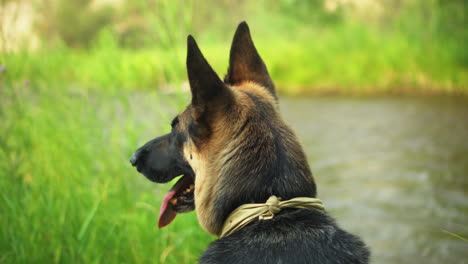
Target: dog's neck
{"points": [[251, 168]]}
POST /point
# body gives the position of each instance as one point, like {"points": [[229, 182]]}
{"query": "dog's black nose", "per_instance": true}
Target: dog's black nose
{"points": [[134, 158]]}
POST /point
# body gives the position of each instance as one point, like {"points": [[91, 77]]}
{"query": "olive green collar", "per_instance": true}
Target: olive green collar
{"points": [[247, 213]]}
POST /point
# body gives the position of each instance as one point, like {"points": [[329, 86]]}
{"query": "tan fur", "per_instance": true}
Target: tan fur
{"points": [[207, 164], [259, 90], [206, 178], [204, 185]]}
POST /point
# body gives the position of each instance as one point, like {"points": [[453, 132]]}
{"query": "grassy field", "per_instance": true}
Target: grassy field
{"points": [[68, 192], [72, 116]]}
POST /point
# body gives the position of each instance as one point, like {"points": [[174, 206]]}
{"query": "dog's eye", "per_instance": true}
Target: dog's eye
{"points": [[175, 121]]}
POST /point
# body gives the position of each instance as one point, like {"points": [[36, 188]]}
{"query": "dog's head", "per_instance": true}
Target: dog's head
{"points": [[229, 143]]}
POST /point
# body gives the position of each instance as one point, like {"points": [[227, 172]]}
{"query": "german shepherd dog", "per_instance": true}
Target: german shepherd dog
{"points": [[232, 148]]}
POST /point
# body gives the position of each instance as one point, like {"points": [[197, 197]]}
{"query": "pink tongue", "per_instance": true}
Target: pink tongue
{"points": [[166, 214]]}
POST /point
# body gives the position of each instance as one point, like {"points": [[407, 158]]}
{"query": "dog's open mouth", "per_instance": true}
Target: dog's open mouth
{"points": [[179, 199]]}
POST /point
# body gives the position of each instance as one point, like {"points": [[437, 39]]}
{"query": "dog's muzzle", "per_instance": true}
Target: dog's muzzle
{"points": [[134, 158]]}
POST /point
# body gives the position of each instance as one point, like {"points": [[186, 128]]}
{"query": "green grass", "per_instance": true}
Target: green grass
{"points": [[68, 192]]}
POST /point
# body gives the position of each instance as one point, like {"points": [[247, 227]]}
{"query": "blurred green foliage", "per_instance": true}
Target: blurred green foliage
{"points": [[73, 22], [407, 46]]}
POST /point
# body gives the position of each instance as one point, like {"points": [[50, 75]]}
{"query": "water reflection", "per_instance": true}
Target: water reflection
{"points": [[393, 170]]}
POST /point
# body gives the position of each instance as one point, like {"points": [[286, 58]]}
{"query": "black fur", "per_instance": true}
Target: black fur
{"points": [[245, 63], [269, 164], [294, 236], [160, 160], [269, 161], [208, 90]]}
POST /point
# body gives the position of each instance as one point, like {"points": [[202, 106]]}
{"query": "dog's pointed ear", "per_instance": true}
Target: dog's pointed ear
{"points": [[207, 88], [245, 64]]}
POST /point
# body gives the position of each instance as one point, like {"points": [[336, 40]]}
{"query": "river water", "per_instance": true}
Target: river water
{"points": [[392, 170]]}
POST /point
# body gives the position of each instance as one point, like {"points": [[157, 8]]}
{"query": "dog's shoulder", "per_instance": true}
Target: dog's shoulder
{"points": [[293, 236]]}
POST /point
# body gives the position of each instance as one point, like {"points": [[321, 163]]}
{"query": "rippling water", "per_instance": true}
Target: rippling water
{"points": [[392, 170]]}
